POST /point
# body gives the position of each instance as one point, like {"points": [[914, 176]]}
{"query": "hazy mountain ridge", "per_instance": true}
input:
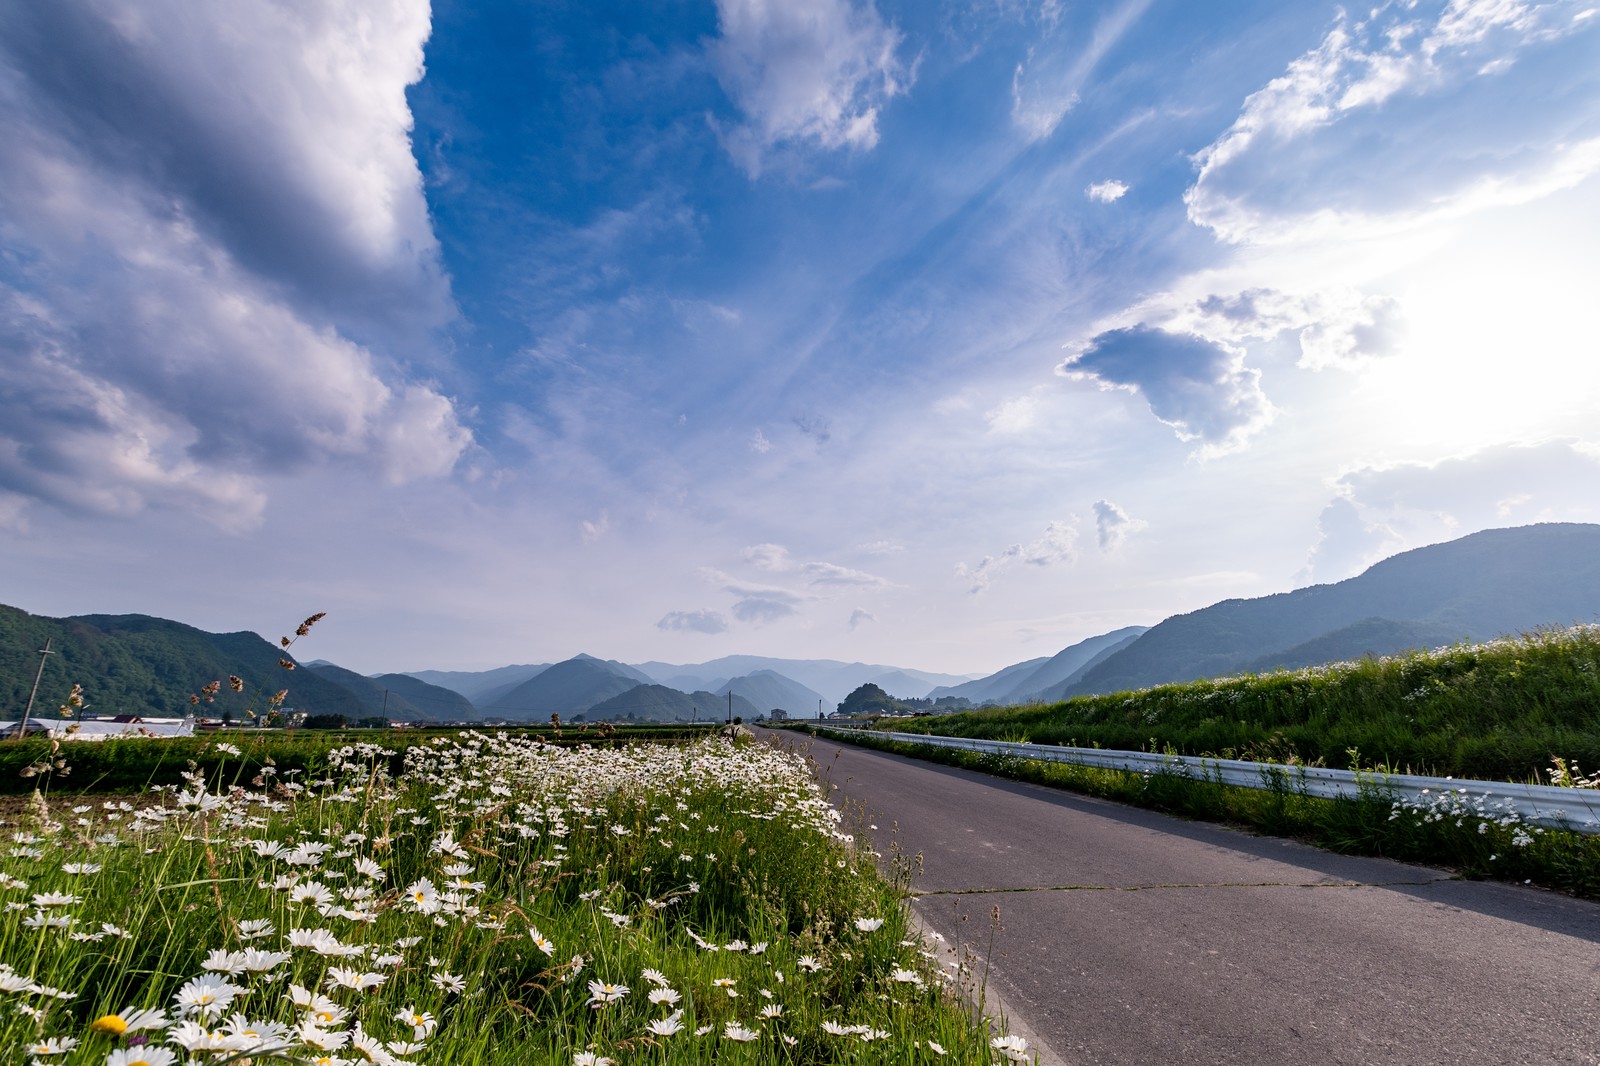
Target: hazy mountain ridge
{"points": [[658, 703], [1481, 586], [567, 687], [769, 690], [1478, 587], [476, 685], [832, 679]]}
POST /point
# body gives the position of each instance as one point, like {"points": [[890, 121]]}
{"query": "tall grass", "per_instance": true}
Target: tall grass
{"points": [[1494, 711], [497, 900]]}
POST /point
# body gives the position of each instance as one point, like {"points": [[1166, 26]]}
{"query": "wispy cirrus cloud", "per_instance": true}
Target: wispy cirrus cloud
{"points": [[775, 558], [1059, 544], [1047, 83]]}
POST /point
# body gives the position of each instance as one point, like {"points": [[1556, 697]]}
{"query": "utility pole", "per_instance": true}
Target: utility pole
{"points": [[730, 706], [819, 710], [22, 726]]}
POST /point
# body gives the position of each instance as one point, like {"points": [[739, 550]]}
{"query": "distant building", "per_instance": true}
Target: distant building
{"points": [[778, 715], [122, 725]]}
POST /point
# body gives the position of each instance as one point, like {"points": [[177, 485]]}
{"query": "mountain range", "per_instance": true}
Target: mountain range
{"points": [[1489, 584], [1481, 586]]}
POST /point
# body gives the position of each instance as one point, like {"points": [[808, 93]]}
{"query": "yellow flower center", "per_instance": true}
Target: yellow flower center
{"points": [[114, 1024]]}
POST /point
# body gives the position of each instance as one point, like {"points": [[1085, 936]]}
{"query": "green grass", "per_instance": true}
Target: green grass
{"points": [[1495, 711], [505, 889]]}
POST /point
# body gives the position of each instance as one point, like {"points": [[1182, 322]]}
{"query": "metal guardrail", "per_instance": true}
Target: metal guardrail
{"points": [[1577, 809]]}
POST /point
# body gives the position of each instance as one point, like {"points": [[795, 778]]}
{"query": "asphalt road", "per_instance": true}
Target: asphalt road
{"points": [[1126, 936]]}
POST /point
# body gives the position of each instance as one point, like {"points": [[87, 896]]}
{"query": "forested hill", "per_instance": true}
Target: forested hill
{"points": [[136, 664]]}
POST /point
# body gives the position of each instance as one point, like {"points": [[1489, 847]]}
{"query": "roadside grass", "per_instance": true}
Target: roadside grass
{"points": [[1453, 831], [496, 900], [1494, 711]]}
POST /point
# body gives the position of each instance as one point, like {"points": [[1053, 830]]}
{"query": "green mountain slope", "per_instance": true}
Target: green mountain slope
{"points": [[136, 664]]}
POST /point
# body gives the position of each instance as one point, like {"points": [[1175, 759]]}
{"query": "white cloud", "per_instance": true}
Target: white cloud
{"points": [[594, 529], [813, 74], [859, 617], [1339, 327], [1059, 544], [770, 557], [763, 605], [1105, 192], [1013, 416], [702, 621], [189, 263], [1380, 510], [1114, 525], [1199, 387], [775, 558], [759, 443], [1415, 113], [831, 575]]}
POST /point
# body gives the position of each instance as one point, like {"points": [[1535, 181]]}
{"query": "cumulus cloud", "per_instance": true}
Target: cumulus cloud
{"points": [[1199, 387], [201, 208], [1059, 544], [1105, 192], [702, 621], [1380, 510], [1114, 525], [1338, 327], [1412, 112], [804, 75]]}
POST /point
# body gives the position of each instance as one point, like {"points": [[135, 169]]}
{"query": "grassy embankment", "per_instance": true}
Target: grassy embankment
{"points": [[498, 901], [1506, 710]]}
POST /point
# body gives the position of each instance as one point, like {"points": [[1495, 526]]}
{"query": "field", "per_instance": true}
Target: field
{"points": [[134, 764], [1497, 711], [495, 900]]}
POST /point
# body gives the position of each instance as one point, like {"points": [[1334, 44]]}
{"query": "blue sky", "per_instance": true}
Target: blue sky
{"points": [[939, 334]]}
